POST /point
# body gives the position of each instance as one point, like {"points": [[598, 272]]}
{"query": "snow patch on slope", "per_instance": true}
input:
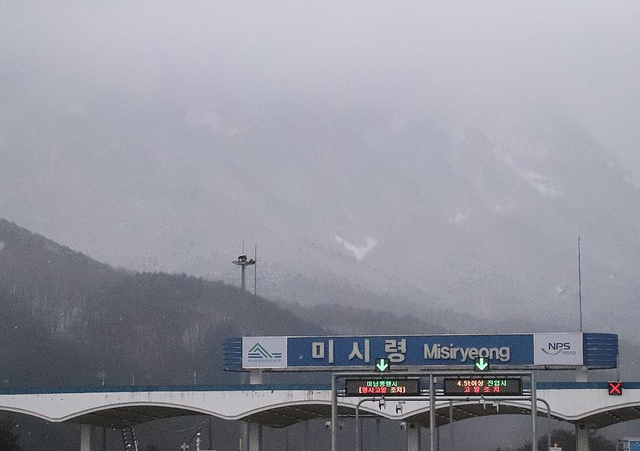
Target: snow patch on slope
{"points": [[358, 252], [539, 182], [520, 154]]}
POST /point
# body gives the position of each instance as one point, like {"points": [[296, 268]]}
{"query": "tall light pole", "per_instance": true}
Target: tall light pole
{"points": [[579, 285], [243, 262]]}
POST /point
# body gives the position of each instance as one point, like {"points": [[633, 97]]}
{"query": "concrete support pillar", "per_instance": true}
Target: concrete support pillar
{"points": [[255, 437], [254, 430], [244, 437], [85, 437], [306, 436], [414, 441], [582, 433], [582, 437]]}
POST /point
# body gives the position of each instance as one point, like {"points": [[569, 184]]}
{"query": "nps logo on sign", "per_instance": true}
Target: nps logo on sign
{"points": [[557, 349], [264, 352]]}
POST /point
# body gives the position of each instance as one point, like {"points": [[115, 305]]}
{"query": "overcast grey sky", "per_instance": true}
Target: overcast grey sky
{"points": [[474, 61], [165, 125]]}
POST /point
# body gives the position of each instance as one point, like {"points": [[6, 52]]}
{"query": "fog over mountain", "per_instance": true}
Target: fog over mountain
{"points": [[442, 155]]}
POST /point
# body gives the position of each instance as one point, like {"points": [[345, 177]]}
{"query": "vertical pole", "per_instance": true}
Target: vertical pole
{"points": [[432, 414], [242, 277], [377, 448], [358, 442], [579, 284], [334, 413], [451, 425], [534, 414]]}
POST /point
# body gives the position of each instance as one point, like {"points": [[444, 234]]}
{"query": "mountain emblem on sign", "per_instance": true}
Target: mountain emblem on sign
{"points": [[259, 352]]}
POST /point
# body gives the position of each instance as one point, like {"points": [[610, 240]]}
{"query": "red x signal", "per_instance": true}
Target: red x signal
{"points": [[615, 388]]}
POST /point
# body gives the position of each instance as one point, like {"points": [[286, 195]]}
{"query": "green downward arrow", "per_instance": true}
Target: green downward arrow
{"points": [[482, 363], [382, 365]]}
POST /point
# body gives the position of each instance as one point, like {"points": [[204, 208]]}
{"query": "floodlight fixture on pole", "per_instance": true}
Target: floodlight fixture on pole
{"points": [[243, 262]]}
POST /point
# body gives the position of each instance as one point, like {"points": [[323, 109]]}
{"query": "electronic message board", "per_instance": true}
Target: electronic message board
{"points": [[483, 386], [382, 387]]}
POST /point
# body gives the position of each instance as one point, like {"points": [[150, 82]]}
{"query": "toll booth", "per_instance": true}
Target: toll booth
{"points": [[629, 444]]}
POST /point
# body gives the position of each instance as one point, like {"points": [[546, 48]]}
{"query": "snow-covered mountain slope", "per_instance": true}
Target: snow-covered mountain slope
{"points": [[403, 203]]}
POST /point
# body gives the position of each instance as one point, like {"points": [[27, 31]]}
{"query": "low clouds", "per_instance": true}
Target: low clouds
{"points": [[168, 122], [466, 59]]}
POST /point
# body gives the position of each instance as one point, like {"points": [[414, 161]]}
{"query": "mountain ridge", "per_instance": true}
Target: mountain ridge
{"points": [[127, 324], [463, 215]]}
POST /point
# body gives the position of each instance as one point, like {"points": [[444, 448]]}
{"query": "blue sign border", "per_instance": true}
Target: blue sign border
{"points": [[333, 353]]}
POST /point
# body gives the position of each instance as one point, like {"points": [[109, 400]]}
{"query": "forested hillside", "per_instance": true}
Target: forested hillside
{"points": [[69, 320], [67, 315]]}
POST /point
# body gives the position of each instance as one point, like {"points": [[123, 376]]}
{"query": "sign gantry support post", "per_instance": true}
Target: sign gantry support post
{"points": [[334, 412], [534, 413], [532, 398], [358, 429], [432, 412]]}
